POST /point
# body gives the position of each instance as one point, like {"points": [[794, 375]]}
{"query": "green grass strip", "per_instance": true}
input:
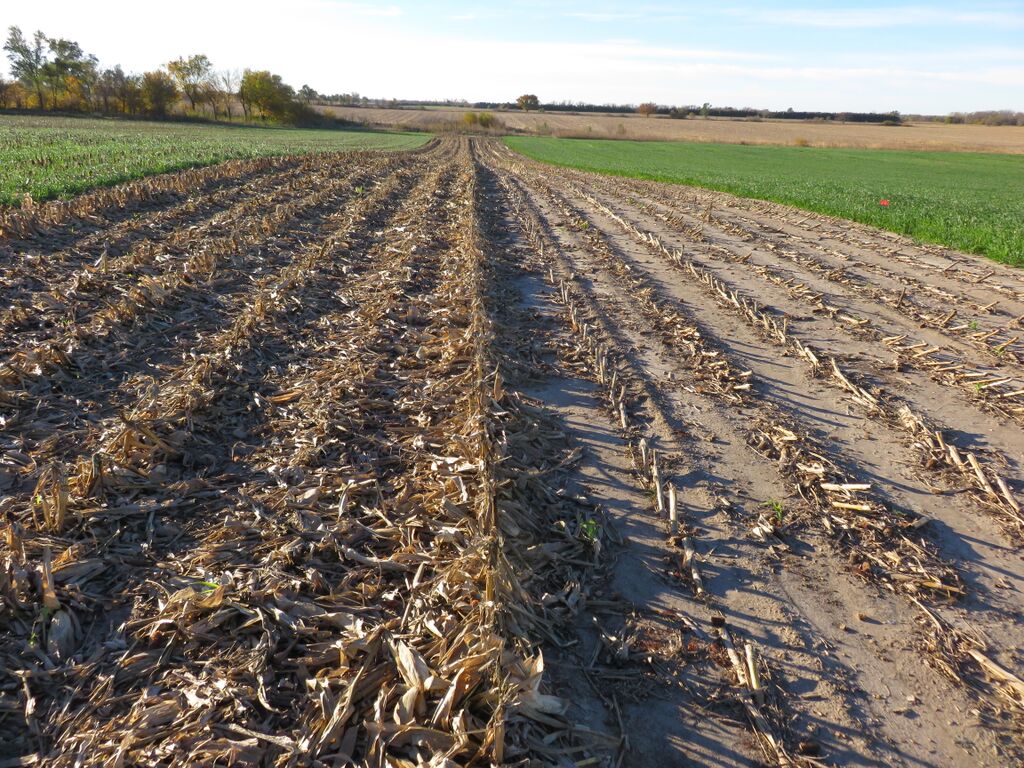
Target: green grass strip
{"points": [[59, 157]]}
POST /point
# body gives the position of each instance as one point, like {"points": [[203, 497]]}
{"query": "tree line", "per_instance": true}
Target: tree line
{"points": [[988, 117], [530, 102], [55, 74]]}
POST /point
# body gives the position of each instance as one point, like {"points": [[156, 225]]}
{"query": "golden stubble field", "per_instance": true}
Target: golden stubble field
{"points": [[448, 458], [925, 136]]}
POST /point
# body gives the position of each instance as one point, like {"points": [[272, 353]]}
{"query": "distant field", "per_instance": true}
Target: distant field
{"points": [[915, 136], [52, 157], [972, 202]]}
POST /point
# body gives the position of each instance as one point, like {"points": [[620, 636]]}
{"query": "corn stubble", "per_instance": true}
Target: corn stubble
{"points": [[299, 536], [272, 492]]}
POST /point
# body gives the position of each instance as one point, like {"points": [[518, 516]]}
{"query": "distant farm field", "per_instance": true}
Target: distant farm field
{"points": [[53, 157], [937, 137], [969, 201]]}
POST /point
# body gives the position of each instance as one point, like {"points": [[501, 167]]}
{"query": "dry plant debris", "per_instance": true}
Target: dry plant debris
{"points": [[272, 491]]}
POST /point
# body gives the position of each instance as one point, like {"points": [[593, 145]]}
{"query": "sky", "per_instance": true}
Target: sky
{"points": [[918, 58]]}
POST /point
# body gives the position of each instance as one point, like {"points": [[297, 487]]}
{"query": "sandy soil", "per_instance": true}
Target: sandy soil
{"points": [[873, 665]]}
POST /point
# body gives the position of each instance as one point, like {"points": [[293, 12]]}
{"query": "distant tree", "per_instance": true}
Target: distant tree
{"points": [[308, 94], [265, 93], [528, 101], [85, 81], [17, 95], [705, 108], [69, 69], [647, 109], [191, 76], [131, 96], [53, 80], [248, 91], [5, 92], [209, 94], [159, 92], [110, 87], [28, 60], [228, 81]]}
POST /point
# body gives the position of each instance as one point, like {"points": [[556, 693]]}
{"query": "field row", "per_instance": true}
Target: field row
{"points": [[846, 500], [237, 476]]}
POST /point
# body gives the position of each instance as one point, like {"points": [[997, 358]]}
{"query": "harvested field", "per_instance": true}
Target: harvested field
{"points": [[447, 457], [912, 136]]}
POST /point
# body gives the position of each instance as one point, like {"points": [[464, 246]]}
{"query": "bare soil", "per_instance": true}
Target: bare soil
{"points": [[869, 660]]}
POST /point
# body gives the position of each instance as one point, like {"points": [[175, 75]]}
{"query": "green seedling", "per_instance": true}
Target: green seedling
{"points": [[778, 511], [590, 530]]}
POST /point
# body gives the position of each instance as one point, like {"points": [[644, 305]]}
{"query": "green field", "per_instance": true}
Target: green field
{"points": [[972, 202], [52, 157]]}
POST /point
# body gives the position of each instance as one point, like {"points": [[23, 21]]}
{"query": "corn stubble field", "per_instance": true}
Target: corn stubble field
{"points": [[446, 457]]}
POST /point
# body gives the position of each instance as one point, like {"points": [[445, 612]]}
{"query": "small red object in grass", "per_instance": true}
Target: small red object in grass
{"points": [[884, 202]]}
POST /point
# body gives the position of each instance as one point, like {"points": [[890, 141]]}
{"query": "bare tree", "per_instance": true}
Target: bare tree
{"points": [[210, 94], [228, 82], [647, 109]]}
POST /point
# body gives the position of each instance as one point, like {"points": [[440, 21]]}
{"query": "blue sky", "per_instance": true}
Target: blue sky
{"points": [[915, 57]]}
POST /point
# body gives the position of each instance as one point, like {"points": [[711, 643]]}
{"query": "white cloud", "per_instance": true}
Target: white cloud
{"points": [[366, 9], [875, 18], [601, 17]]}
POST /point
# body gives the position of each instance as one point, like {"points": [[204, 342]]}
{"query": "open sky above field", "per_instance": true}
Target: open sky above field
{"points": [[931, 57]]}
